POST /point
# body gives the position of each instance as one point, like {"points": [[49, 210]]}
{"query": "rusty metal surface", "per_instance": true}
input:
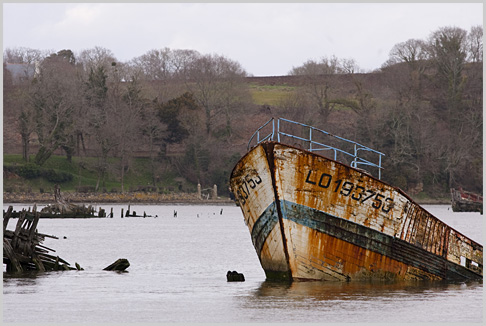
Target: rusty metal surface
{"points": [[251, 182], [335, 222]]}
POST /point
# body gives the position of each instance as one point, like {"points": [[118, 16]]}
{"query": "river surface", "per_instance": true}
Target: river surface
{"points": [[178, 271]]}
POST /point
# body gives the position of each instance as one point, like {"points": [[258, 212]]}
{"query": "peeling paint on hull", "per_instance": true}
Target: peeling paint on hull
{"points": [[313, 218]]}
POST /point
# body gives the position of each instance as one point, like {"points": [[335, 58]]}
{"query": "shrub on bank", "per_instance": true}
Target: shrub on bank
{"points": [[28, 171], [31, 171], [57, 176]]}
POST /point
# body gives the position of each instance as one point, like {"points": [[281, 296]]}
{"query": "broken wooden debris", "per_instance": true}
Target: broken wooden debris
{"points": [[119, 265], [234, 276], [53, 214], [52, 211], [133, 214], [65, 209], [62, 209], [22, 249]]}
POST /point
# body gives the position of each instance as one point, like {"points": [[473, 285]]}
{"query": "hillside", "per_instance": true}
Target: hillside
{"points": [[383, 110], [267, 93]]}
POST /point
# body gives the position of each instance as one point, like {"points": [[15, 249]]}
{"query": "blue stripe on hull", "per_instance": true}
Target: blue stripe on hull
{"points": [[263, 226], [361, 236]]}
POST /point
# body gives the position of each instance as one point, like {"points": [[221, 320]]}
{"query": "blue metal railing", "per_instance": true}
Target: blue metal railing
{"points": [[276, 134]]}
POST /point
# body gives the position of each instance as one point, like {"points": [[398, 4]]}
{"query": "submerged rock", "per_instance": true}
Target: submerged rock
{"points": [[120, 265], [234, 276]]}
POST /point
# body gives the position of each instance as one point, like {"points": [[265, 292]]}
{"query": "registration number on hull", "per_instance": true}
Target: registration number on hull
{"points": [[357, 191]]}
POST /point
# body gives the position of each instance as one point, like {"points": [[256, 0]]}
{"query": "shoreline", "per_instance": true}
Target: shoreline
{"points": [[142, 198], [113, 198]]}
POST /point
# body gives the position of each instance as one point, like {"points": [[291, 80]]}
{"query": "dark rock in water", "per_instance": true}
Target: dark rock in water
{"points": [[234, 276], [120, 265]]}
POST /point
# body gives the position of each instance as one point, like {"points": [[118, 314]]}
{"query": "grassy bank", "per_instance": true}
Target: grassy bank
{"points": [[81, 175]]}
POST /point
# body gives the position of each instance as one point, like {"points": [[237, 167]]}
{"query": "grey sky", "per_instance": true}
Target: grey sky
{"points": [[265, 38]]}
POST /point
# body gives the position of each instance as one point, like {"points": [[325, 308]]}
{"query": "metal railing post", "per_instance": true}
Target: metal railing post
{"points": [[379, 167], [310, 139]]}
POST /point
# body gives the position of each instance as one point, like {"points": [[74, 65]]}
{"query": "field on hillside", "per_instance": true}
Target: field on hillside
{"points": [[270, 94]]}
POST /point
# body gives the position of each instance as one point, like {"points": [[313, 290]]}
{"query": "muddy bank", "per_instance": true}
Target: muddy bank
{"points": [[134, 197], [142, 197]]}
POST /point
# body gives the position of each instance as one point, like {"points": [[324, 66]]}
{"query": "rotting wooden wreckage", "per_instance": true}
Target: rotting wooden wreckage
{"points": [[22, 248], [315, 214], [63, 209], [23, 252]]}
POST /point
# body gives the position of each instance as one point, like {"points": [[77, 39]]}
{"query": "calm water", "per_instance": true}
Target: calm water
{"points": [[178, 271]]}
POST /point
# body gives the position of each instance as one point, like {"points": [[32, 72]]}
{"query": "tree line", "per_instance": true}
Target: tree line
{"points": [[193, 113]]}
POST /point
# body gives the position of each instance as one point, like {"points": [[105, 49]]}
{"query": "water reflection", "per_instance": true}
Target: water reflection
{"points": [[326, 291], [25, 282], [362, 302]]}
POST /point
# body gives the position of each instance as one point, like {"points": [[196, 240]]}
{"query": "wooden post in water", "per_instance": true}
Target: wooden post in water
{"points": [[13, 265], [6, 217], [33, 226], [18, 227]]}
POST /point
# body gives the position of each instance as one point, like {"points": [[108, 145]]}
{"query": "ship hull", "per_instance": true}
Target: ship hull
{"points": [[313, 218], [465, 201]]}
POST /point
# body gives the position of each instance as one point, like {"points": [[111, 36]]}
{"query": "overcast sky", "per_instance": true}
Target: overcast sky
{"points": [[267, 39]]}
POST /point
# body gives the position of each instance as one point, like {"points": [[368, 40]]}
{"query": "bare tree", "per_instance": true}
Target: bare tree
{"points": [[23, 55], [95, 65], [475, 44], [412, 51], [195, 163], [319, 87], [155, 64], [96, 57], [163, 71], [52, 100], [326, 66], [164, 64], [447, 50], [127, 115], [181, 61], [95, 99], [18, 113], [214, 80], [448, 54]]}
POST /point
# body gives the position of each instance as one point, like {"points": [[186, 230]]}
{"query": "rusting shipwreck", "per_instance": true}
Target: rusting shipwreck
{"points": [[315, 213], [466, 201]]}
